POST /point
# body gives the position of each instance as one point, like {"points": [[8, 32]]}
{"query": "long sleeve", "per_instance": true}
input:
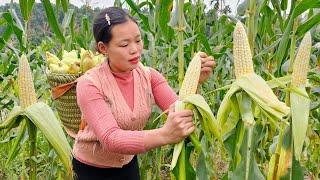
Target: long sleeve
{"points": [[163, 94], [99, 117]]}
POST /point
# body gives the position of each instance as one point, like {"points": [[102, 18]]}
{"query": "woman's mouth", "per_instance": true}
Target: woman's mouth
{"points": [[134, 60]]}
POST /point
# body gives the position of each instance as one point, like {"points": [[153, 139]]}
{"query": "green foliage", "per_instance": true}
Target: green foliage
{"points": [[277, 27]]}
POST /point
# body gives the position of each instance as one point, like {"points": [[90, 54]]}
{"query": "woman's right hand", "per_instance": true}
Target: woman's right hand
{"points": [[178, 125]]}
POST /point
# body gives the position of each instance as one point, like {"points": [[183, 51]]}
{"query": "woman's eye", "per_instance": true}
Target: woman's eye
{"points": [[138, 40], [123, 45]]}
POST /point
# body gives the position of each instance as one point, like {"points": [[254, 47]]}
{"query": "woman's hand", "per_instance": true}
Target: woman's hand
{"points": [[207, 64], [178, 125]]}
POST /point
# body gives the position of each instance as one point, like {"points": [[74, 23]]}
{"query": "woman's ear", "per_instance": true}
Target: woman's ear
{"points": [[102, 48]]}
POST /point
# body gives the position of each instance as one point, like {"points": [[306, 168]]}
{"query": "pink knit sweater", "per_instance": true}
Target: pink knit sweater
{"points": [[114, 131]]}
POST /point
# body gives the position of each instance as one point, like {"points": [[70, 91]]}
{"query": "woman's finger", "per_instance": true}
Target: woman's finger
{"points": [[203, 54], [184, 113]]}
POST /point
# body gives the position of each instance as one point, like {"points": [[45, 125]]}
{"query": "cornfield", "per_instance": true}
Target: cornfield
{"points": [[256, 117]]}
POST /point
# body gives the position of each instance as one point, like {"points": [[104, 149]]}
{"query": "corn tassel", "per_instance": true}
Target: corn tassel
{"points": [[27, 93], [241, 52]]}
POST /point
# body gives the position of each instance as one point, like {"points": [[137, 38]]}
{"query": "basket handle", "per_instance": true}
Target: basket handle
{"points": [[61, 89]]}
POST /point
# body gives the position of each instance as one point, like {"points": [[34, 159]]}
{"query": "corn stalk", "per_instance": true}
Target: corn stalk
{"points": [[178, 23]]}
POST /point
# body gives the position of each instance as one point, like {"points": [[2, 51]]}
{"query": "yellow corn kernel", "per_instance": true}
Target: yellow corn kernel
{"points": [[242, 57], [301, 62], [191, 78], [27, 94]]}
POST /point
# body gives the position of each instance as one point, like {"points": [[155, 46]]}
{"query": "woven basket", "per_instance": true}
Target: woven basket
{"points": [[66, 104]]}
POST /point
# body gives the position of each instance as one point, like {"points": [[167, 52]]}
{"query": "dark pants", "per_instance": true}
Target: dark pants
{"points": [[86, 172]]}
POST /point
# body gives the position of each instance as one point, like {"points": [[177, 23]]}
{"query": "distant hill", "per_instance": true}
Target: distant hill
{"points": [[39, 26]]}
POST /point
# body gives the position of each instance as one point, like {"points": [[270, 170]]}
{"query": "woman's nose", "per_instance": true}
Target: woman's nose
{"points": [[133, 49]]}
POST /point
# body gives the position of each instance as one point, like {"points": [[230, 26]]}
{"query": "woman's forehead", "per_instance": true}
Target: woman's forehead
{"points": [[125, 30]]}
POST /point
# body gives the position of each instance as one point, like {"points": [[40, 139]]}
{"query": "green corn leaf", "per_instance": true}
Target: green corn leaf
{"points": [[233, 118], [53, 22], [195, 141], [285, 159], [67, 19], [17, 143], [176, 153], [43, 117], [163, 17], [204, 41], [186, 171], [272, 165], [200, 103], [300, 112], [305, 5], [143, 17], [26, 8], [179, 106], [233, 145], [5, 37], [202, 171], [309, 24], [23, 7], [225, 105], [279, 82], [65, 4], [284, 4], [16, 26], [262, 94], [204, 125], [245, 107], [247, 169], [282, 48], [12, 117]]}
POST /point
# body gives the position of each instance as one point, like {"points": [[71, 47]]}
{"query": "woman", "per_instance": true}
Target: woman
{"points": [[116, 98]]}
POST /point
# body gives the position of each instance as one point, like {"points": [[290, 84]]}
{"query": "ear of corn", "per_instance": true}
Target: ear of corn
{"points": [[27, 93], [187, 94], [301, 63], [300, 103], [242, 57], [191, 78]]}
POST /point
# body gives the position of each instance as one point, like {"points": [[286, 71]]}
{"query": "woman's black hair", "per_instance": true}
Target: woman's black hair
{"points": [[102, 27]]}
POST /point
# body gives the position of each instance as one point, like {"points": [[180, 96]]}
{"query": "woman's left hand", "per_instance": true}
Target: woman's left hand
{"points": [[207, 65]]}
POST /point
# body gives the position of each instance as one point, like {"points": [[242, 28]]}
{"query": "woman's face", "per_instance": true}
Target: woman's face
{"points": [[125, 47]]}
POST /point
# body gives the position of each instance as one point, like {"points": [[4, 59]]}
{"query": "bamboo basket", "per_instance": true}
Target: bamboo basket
{"points": [[66, 103]]}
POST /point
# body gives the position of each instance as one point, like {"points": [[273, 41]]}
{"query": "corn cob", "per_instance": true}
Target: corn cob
{"points": [[300, 104], [241, 52], [27, 94], [191, 78], [301, 63], [187, 96], [189, 86]]}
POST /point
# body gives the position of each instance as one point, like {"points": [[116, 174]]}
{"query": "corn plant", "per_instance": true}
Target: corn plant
{"points": [[32, 115], [247, 101], [209, 126], [285, 162]]}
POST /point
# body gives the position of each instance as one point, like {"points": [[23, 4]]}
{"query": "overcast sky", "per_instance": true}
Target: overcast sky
{"points": [[106, 3]]}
